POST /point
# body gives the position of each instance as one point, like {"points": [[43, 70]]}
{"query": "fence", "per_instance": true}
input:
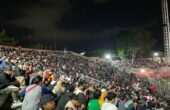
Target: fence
{"points": [[163, 85], [89, 79]]}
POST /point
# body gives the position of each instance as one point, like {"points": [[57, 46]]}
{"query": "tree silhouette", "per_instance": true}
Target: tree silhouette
{"points": [[136, 43]]}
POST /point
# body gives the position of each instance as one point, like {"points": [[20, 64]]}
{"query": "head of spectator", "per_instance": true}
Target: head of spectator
{"points": [[48, 102], [9, 71], [80, 86], [37, 80], [74, 103], [111, 97], [69, 88], [96, 94]]}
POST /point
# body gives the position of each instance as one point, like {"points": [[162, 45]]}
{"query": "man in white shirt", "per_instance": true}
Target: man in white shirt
{"points": [[109, 104]]}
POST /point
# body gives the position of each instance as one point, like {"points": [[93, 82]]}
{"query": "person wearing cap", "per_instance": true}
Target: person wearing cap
{"points": [[47, 102], [109, 104]]}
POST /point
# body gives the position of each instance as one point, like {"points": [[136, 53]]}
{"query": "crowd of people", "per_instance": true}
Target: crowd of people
{"points": [[143, 63], [155, 69], [60, 80]]}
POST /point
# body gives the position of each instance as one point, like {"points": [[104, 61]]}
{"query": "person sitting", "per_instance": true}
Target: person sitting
{"points": [[7, 78], [10, 85]]}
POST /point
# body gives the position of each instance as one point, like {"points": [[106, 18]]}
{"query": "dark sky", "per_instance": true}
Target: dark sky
{"points": [[78, 25]]}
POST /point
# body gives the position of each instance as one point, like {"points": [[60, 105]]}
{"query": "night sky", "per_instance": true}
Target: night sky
{"points": [[78, 25]]}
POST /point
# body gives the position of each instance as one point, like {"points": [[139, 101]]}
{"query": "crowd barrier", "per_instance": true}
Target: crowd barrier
{"points": [[161, 81], [89, 79]]}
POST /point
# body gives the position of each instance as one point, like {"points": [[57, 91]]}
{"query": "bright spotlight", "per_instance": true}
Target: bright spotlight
{"points": [[143, 70], [83, 53], [108, 56], [156, 54]]}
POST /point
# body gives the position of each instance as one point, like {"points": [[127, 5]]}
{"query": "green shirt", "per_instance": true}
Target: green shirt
{"points": [[94, 105]]}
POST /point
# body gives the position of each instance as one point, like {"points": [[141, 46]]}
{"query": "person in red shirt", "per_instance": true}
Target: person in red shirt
{"points": [[153, 89]]}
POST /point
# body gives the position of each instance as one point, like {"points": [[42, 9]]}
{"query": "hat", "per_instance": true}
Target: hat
{"points": [[46, 98]]}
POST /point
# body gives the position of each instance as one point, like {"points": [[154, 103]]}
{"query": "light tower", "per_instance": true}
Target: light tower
{"points": [[166, 31]]}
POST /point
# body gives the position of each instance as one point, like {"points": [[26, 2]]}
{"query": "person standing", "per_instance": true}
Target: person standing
{"points": [[121, 104], [109, 104], [94, 102]]}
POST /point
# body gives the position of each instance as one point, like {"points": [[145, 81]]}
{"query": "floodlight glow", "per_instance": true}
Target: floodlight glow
{"points": [[143, 70], [108, 56], [156, 54], [83, 53]]}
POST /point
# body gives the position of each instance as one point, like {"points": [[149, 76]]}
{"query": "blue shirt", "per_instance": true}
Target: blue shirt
{"points": [[121, 105]]}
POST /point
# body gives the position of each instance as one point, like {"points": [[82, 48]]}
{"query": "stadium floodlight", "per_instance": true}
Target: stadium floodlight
{"points": [[143, 70], [108, 56], [83, 53], [156, 54]]}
